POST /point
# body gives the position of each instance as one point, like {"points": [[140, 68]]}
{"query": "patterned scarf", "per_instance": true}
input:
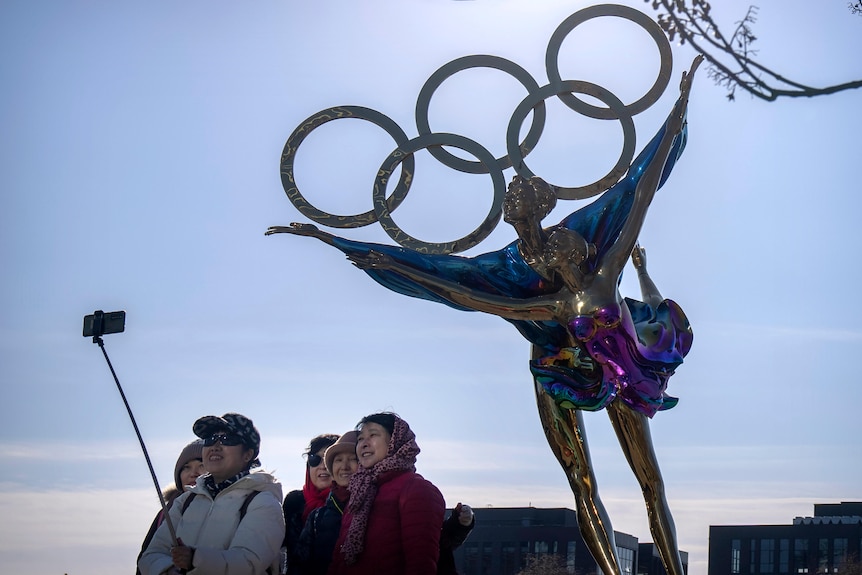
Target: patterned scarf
{"points": [[363, 487], [216, 488]]}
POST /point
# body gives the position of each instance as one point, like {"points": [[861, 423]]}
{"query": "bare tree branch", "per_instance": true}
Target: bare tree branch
{"points": [[731, 60]]}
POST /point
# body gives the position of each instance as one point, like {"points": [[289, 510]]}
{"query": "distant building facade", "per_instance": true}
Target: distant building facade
{"points": [[810, 545], [505, 537], [649, 561]]}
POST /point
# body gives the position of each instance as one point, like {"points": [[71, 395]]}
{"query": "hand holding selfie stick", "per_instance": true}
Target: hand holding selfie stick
{"points": [[96, 325]]}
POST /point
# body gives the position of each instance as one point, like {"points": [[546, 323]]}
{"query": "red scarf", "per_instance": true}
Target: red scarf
{"points": [[401, 456], [313, 496]]}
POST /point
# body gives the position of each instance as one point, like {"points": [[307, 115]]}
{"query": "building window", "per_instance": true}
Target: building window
{"points": [[752, 557], [627, 559], [767, 555], [540, 548], [800, 555], [525, 553], [471, 558], [570, 557], [823, 556], [839, 553], [508, 558], [735, 555], [487, 558], [784, 556]]}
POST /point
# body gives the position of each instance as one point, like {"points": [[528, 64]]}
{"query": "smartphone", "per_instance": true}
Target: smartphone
{"points": [[101, 323]]}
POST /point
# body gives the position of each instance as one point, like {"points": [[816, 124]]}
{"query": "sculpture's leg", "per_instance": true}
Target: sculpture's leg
{"points": [[564, 429], [634, 435]]}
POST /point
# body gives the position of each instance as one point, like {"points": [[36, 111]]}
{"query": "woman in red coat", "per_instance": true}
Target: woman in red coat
{"points": [[392, 523]]}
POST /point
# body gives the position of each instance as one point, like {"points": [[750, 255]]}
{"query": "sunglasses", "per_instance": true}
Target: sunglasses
{"points": [[314, 459], [226, 439]]}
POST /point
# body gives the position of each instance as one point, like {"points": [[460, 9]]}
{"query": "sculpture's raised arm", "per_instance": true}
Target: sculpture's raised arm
{"points": [[611, 264]]}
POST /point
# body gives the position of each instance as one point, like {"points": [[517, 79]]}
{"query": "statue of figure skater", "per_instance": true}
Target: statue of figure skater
{"points": [[591, 348]]}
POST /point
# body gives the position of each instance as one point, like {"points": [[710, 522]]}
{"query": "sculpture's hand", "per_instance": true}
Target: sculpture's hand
{"points": [[372, 260], [685, 83], [298, 229], [677, 119], [639, 257]]}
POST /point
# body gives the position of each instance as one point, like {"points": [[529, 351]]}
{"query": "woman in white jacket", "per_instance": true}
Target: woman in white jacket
{"points": [[231, 521]]}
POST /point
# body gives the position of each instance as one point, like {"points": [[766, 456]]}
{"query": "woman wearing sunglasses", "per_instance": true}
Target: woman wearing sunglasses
{"points": [[299, 503], [316, 543], [231, 520]]}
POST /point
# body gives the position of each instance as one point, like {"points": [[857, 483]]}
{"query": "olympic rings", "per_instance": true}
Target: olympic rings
{"points": [[534, 101], [477, 61], [567, 87], [405, 151], [645, 22], [288, 180]]}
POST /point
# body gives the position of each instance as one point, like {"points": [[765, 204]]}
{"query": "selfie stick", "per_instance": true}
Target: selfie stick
{"points": [[98, 329]]}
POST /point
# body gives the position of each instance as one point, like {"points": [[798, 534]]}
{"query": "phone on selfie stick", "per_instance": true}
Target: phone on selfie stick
{"points": [[96, 325]]}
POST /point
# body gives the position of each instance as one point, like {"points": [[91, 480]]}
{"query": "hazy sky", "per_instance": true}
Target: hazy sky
{"points": [[140, 168]]}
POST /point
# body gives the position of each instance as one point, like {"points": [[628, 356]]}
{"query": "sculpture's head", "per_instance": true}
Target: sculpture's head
{"points": [[527, 200], [567, 247]]}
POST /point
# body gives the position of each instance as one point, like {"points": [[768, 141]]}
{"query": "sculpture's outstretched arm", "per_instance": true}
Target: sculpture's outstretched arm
{"points": [[542, 308]]}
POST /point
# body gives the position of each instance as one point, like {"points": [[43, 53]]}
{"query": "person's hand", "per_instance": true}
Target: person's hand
{"points": [[295, 228], [182, 554], [464, 514], [372, 260]]}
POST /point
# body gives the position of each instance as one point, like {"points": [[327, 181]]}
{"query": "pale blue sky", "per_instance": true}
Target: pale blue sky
{"points": [[139, 150]]}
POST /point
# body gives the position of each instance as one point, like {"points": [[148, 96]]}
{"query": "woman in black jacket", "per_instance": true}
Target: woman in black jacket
{"points": [[299, 504], [313, 552]]}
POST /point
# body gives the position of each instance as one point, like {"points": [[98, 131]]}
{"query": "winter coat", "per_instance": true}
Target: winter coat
{"points": [[170, 495], [292, 509], [223, 544], [316, 543], [403, 534]]}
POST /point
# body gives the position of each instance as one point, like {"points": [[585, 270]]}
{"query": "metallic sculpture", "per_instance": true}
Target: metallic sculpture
{"points": [[592, 349]]}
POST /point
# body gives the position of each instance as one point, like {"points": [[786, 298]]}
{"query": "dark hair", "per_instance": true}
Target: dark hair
{"points": [[385, 419], [322, 441]]}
